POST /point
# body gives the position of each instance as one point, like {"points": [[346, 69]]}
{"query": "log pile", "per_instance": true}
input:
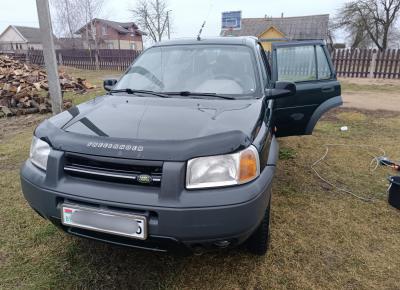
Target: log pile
{"points": [[24, 88]]}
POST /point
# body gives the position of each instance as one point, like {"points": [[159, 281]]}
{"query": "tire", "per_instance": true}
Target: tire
{"points": [[258, 242]]}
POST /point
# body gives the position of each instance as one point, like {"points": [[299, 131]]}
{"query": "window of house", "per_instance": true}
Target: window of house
{"points": [[110, 45], [104, 30]]}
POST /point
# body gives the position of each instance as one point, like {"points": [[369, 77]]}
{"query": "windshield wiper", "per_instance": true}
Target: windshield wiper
{"points": [[187, 93], [134, 92]]}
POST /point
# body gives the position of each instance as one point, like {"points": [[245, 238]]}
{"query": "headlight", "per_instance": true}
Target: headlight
{"points": [[223, 170], [39, 153]]}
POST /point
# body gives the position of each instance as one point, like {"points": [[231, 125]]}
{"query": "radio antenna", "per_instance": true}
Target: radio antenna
{"points": [[204, 23], [201, 30]]}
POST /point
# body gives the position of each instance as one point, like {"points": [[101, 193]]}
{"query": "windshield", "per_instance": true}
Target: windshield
{"points": [[219, 69]]}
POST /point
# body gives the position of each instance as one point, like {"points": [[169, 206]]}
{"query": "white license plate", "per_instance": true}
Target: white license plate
{"points": [[111, 222]]}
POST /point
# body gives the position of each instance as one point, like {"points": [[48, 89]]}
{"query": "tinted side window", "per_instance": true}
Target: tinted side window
{"points": [[300, 63], [324, 71], [296, 63]]}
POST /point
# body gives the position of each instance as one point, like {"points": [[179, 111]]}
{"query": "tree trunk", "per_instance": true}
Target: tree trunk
{"points": [[158, 20], [385, 37], [71, 33]]}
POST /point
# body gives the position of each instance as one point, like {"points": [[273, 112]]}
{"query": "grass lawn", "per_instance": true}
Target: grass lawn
{"points": [[320, 238], [94, 77], [375, 85]]}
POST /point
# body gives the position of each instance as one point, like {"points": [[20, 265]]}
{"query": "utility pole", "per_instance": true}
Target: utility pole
{"points": [[49, 54]]}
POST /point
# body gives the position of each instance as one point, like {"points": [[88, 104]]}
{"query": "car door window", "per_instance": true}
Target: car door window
{"points": [[264, 66], [303, 63], [307, 64], [296, 63], [324, 70]]}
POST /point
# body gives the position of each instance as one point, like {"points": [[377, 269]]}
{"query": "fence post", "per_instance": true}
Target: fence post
{"points": [[60, 60], [372, 65], [96, 59], [27, 60]]}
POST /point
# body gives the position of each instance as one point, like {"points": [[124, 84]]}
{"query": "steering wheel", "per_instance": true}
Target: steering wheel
{"points": [[239, 81]]}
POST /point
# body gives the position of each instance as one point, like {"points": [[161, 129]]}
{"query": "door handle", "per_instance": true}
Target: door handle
{"points": [[328, 89]]}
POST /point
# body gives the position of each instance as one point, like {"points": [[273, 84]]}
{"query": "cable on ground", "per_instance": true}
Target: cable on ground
{"points": [[375, 159]]}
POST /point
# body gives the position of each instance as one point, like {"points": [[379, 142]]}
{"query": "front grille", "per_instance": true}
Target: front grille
{"points": [[139, 172]]}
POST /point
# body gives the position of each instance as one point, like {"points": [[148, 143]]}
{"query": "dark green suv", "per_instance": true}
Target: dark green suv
{"points": [[182, 150]]}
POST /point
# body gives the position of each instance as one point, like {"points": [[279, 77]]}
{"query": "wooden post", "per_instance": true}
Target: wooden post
{"points": [[27, 60], [119, 54], [372, 65], [96, 59], [60, 60]]}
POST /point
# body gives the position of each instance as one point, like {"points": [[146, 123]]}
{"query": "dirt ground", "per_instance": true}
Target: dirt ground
{"points": [[371, 94], [10, 127]]}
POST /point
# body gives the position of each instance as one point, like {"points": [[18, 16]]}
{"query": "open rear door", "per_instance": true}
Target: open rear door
{"points": [[309, 66]]}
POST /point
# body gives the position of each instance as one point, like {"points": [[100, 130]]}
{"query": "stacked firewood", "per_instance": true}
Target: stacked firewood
{"points": [[24, 88]]}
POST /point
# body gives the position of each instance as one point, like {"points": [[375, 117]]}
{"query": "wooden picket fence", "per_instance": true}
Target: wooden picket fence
{"points": [[367, 63], [353, 63], [111, 59], [107, 58]]}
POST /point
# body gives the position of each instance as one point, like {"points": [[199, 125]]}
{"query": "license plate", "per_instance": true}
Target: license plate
{"points": [[111, 222]]}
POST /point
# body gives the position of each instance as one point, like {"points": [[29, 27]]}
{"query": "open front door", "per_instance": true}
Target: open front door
{"points": [[308, 65]]}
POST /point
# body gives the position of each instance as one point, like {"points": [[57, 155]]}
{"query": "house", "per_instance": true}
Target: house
{"points": [[111, 35], [270, 29], [71, 43], [21, 38]]}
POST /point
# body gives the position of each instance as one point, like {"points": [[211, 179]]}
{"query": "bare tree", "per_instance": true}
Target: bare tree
{"points": [[70, 15], [67, 17], [153, 16], [369, 21], [91, 9], [354, 27]]}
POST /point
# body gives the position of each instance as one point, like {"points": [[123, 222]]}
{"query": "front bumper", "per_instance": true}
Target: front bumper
{"points": [[192, 218]]}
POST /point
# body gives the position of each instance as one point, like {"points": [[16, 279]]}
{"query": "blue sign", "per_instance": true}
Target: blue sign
{"points": [[231, 20]]}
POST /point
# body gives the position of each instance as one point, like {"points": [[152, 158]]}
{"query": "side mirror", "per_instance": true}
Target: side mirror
{"points": [[109, 84], [282, 89]]}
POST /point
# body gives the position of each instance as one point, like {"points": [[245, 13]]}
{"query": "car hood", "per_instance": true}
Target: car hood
{"points": [[145, 122]]}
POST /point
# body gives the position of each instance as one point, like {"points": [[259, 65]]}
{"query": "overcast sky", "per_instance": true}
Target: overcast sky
{"points": [[187, 15]]}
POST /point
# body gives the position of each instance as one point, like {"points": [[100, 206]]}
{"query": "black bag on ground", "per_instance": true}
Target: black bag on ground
{"points": [[394, 191]]}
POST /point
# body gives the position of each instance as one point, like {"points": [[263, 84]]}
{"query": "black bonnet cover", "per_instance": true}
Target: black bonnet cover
{"points": [[166, 150]]}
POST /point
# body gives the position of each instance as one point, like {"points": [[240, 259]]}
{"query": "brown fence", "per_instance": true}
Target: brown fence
{"points": [[367, 63], [354, 63], [112, 59]]}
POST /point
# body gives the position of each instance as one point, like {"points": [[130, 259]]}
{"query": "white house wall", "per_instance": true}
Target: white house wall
{"points": [[123, 44], [10, 35]]}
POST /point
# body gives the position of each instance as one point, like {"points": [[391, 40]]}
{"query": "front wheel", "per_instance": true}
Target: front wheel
{"points": [[258, 242]]}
